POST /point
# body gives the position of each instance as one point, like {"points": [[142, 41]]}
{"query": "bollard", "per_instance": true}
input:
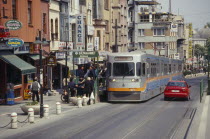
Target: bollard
{"points": [[58, 108], [14, 120], [31, 115], [46, 111], [84, 101], [91, 101], [79, 102]]}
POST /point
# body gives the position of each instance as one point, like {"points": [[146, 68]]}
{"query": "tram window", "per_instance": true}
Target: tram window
{"points": [[143, 69], [138, 68], [169, 68], [123, 69], [109, 69]]}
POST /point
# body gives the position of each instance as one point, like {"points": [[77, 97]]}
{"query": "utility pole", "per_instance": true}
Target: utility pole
{"points": [[116, 27]]}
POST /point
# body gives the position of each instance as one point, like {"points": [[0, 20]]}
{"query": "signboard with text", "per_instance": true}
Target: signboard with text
{"points": [[80, 32], [51, 60], [84, 54], [13, 24]]}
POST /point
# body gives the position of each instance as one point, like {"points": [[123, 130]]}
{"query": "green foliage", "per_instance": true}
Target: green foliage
{"points": [[32, 103]]}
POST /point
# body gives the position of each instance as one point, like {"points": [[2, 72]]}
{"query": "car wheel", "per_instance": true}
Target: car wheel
{"points": [[165, 98]]}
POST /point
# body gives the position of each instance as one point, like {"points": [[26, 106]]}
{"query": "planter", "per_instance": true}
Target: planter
{"points": [[85, 101], [73, 100], [26, 107]]}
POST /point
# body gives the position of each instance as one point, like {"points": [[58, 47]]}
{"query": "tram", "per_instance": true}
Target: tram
{"points": [[137, 76]]}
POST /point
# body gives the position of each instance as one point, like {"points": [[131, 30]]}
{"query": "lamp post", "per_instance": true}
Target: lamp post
{"points": [[39, 42]]}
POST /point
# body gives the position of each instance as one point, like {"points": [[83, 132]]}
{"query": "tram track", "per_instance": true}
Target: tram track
{"points": [[178, 128]]}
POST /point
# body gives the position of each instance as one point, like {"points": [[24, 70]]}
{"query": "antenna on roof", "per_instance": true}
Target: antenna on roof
{"points": [[170, 11]]}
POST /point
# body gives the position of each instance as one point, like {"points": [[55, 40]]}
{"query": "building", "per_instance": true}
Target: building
{"points": [[20, 65], [119, 26], [151, 30], [101, 22]]}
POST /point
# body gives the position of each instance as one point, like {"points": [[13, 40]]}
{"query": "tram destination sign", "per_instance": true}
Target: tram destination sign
{"points": [[83, 54]]}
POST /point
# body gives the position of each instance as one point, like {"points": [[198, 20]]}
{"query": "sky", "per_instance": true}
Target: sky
{"points": [[196, 12]]}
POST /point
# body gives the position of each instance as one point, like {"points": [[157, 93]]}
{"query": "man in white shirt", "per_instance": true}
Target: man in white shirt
{"points": [[35, 87]]}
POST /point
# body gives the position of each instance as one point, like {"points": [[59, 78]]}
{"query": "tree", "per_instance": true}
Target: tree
{"points": [[207, 25], [199, 52]]}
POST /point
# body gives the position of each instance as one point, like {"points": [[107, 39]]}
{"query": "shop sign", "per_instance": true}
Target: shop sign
{"points": [[96, 43], [90, 30], [22, 49], [51, 61], [13, 24], [60, 55], [27, 94], [90, 47], [15, 42], [62, 45], [83, 54], [80, 32]]}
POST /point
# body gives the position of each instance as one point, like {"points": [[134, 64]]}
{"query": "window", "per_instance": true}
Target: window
{"points": [[169, 68], [56, 29], [14, 9], [109, 67], [106, 4], [141, 32], [143, 69], [107, 25], [141, 45], [159, 32], [138, 68], [44, 23], [159, 45], [29, 12], [123, 69], [144, 18], [52, 29], [119, 17]]}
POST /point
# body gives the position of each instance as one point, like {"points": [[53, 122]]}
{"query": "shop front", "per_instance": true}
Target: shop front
{"points": [[16, 71]]}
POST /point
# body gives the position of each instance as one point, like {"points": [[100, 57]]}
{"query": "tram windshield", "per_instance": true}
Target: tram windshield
{"points": [[123, 69]]}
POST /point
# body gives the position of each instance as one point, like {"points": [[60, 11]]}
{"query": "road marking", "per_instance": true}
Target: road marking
{"points": [[203, 123]]}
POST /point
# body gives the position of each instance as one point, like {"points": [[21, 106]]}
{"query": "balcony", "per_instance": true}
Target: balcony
{"points": [[130, 24]]}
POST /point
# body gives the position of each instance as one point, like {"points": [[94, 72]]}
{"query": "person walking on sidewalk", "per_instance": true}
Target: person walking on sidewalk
{"points": [[35, 86]]}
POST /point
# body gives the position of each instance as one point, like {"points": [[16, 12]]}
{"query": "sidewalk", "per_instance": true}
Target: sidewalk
{"points": [[6, 110], [195, 75]]}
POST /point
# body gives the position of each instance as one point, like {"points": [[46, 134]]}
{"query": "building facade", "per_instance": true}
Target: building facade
{"points": [[20, 65]]}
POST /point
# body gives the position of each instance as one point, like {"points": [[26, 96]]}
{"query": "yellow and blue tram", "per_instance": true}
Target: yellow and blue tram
{"points": [[137, 76]]}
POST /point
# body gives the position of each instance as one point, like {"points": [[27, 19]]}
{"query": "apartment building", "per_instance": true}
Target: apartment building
{"points": [[151, 30]]}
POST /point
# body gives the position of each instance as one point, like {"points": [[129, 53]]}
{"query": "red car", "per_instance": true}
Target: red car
{"points": [[177, 89]]}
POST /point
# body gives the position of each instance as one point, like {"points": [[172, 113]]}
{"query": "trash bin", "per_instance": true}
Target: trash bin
{"points": [[10, 94]]}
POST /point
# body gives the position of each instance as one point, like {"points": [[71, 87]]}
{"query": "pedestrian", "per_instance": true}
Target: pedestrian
{"points": [[204, 70], [88, 87], [72, 86], [91, 73], [35, 87], [80, 87], [81, 72]]}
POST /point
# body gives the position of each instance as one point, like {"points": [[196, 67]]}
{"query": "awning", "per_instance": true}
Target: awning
{"points": [[14, 60], [35, 57], [69, 64]]}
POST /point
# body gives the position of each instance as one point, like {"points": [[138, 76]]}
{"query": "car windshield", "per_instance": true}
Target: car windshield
{"points": [[180, 84]]}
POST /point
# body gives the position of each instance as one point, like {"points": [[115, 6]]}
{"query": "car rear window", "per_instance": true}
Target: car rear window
{"points": [[181, 84]]}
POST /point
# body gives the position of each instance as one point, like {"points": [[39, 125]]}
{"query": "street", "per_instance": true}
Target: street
{"points": [[155, 118]]}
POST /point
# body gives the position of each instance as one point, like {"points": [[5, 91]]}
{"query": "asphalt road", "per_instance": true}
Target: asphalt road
{"points": [[154, 119]]}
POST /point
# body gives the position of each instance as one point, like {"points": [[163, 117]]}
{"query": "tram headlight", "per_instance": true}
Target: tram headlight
{"points": [[134, 80], [112, 80]]}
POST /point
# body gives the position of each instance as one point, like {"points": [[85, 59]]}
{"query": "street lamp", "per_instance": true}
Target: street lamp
{"points": [[39, 42]]}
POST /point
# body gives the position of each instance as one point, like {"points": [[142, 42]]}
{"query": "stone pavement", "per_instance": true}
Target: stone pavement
{"points": [[6, 110]]}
